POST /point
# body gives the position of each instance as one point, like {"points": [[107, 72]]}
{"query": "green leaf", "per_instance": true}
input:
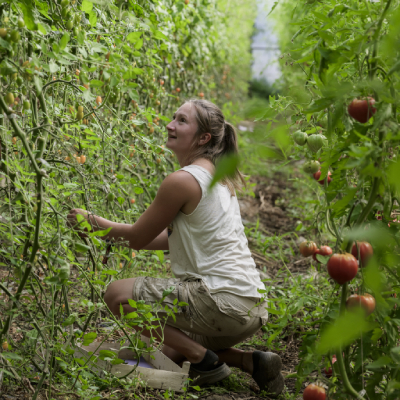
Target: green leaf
{"points": [[64, 41], [5, 44], [81, 248], [343, 331], [93, 18], [395, 353], [159, 35], [11, 356], [87, 6], [89, 338], [318, 105], [96, 83], [167, 292], [109, 272], [393, 173], [138, 190], [132, 303], [133, 37], [340, 206], [26, 7], [160, 255], [226, 167], [99, 233], [380, 362], [139, 45], [70, 320]]}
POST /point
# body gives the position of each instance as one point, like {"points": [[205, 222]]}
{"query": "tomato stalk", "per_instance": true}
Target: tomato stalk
{"points": [[346, 383]]}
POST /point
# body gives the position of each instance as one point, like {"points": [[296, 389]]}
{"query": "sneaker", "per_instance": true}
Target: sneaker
{"points": [[209, 377]]}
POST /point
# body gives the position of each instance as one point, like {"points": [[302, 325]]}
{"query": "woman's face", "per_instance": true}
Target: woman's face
{"points": [[181, 130]]}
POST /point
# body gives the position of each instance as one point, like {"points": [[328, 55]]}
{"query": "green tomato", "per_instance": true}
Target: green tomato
{"points": [[315, 142], [19, 81], [64, 3], [311, 167], [9, 98], [76, 31], [21, 23], [69, 25], [15, 36], [3, 32], [110, 196], [64, 12], [26, 105], [300, 138]]}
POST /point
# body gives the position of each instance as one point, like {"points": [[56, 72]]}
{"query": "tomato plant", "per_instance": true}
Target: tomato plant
{"points": [[72, 74], [344, 86]]}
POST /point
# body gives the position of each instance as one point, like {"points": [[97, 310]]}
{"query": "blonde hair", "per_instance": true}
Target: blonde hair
{"points": [[210, 119]]}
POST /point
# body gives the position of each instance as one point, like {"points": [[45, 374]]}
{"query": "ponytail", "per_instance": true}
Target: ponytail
{"points": [[224, 141]]}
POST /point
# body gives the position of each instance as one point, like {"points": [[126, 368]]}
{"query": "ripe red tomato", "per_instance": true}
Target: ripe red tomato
{"points": [[362, 110], [317, 176], [342, 268], [366, 252], [323, 251], [314, 392], [307, 248], [366, 302]]}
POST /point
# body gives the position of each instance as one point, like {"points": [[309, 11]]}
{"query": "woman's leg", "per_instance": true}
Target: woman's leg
{"points": [[119, 292], [237, 358]]}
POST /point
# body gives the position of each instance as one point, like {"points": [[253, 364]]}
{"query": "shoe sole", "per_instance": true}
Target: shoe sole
{"points": [[209, 377], [268, 376]]}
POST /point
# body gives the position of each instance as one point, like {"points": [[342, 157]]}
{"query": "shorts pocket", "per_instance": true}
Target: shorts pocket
{"points": [[233, 306]]}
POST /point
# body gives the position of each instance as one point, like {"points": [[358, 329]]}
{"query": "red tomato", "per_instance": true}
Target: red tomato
{"points": [[317, 176], [307, 248], [366, 302], [328, 372], [323, 251], [366, 252], [314, 392], [362, 110], [342, 268]]}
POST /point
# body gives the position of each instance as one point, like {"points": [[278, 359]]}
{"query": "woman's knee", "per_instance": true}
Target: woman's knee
{"points": [[118, 292]]}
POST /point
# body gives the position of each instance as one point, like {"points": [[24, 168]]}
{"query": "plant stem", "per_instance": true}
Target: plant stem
{"points": [[346, 383]]}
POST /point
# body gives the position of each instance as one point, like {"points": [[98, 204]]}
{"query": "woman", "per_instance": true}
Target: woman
{"points": [[215, 273]]}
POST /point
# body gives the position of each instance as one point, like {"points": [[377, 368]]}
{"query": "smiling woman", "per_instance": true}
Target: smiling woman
{"points": [[215, 275]]}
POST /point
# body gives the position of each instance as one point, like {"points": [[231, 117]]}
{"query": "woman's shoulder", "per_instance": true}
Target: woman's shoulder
{"points": [[180, 180]]}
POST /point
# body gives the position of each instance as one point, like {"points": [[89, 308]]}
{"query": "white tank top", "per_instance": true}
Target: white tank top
{"points": [[210, 243]]}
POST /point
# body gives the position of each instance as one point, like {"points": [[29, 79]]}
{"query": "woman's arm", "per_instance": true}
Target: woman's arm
{"points": [[159, 243], [149, 232]]}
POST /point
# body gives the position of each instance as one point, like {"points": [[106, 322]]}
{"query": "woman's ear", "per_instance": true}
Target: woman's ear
{"points": [[204, 138]]}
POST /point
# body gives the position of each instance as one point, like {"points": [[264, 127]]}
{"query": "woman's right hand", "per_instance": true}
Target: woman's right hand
{"points": [[72, 219]]}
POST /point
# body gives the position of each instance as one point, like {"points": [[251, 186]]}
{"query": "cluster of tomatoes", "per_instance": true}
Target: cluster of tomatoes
{"points": [[343, 267], [359, 109]]}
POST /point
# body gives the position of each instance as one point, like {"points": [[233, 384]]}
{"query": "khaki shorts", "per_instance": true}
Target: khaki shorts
{"points": [[216, 321]]}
